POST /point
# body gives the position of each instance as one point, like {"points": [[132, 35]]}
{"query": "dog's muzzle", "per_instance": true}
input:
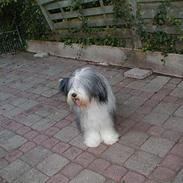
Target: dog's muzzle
{"points": [[75, 99]]}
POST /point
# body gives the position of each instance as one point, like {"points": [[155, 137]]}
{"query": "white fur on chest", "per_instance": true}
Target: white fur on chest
{"points": [[96, 116]]}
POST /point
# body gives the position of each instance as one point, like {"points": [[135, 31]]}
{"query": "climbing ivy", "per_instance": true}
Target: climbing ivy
{"points": [[162, 16], [123, 12], [158, 40], [76, 5]]}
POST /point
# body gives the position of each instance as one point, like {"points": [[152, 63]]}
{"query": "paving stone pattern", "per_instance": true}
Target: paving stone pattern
{"points": [[40, 143]]}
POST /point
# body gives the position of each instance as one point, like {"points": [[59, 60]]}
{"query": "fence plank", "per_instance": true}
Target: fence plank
{"points": [[150, 27], [46, 15], [92, 22], [85, 12], [64, 4], [136, 40], [45, 1], [148, 10], [154, 1], [123, 34]]}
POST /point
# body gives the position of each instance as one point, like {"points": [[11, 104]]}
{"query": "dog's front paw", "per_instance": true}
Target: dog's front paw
{"points": [[92, 139], [110, 137]]}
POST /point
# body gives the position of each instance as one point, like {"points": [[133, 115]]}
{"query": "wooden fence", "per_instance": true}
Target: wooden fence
{"points": [[99, 13]]}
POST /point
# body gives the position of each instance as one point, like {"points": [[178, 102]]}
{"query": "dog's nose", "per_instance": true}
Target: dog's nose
{"points": [[74, 95]]}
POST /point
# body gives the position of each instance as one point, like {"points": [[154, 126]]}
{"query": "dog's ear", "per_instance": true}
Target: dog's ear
{"points": [[63, 85], [101, 91], [102, 95]]}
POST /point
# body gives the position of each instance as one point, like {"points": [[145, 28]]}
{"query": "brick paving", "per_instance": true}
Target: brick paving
{"points": [[39, 141]]}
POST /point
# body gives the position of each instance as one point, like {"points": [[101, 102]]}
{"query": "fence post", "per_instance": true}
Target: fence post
{"points": [[46, 15], [20, 38], [136, 39]]}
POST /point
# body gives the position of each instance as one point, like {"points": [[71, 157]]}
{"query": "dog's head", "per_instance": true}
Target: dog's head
{"points": [[83, 86]]}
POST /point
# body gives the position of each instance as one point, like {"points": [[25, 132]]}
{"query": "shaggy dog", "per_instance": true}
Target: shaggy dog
{"points": [[91, 98]]}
